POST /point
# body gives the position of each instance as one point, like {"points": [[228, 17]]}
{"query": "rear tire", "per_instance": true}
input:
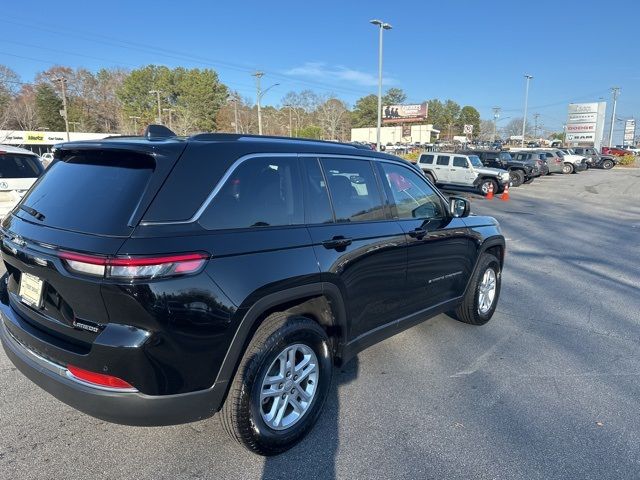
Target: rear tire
{"points": [[607, 164], [430, 177], [529, 181], [474, 308], [250, 412], [517, 177], [567, 168]]}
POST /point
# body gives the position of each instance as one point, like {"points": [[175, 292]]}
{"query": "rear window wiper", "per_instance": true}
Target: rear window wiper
{"points": [[33, 212]]}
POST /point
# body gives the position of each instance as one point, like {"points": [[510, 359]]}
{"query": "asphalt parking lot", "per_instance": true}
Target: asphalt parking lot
{"points": [[548, 389]]}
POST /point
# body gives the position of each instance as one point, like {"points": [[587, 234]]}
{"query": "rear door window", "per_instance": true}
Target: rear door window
{"points": [[443, 160], [19, 166], [426, 159], [260, 192], [460, 162], [354, 190], [92, 192]]}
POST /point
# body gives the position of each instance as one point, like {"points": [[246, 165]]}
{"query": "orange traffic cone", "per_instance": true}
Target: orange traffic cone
{"points": [[505, 195], [490, 192]]}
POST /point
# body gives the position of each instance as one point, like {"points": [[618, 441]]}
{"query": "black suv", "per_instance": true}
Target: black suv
{"points": [[157, 280], [521, 171], [595, 159]]}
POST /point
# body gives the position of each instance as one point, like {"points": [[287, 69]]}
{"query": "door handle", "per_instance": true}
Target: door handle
{"points": [[337, 243], [418, 233]]}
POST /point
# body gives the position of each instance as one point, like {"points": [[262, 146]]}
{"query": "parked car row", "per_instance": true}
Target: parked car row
{"points": [[481, 170]]}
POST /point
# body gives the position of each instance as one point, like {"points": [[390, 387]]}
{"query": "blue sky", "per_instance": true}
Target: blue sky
{"points": [[474, 52]]}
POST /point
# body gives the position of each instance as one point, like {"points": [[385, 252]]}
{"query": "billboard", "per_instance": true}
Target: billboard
{"points": [[404, 113], [585, 123], [629, 131]]}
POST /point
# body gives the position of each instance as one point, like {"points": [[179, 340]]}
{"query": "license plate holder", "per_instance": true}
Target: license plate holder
{"points": [[31, 290]]}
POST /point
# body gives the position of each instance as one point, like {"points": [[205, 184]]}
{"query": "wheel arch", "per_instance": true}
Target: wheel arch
{"points": [[494, 245], [320, 301]]}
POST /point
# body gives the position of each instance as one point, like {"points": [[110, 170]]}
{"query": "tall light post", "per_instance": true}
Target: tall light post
{"points": [[157, 93], [526, 104], [135, 123], [381, 27], [496, 114], [615, 91], [234, 98], [259, 94], [64, 111]]}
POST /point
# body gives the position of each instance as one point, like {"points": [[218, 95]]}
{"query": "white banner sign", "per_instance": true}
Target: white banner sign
{"points": [[583, 108], [581, 137], [581, 127], [583, 117]]}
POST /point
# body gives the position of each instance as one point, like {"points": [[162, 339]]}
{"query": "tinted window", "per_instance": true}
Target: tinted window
{"points": [[549, 155], [354, 191], [93, 191], [261, 192], [316, 201], [504, 156], [426, 159], [19, 166], [460, 162], [443, 160], [412, 196]]}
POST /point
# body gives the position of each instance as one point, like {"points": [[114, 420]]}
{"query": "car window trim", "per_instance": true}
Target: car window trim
{"points": [[239, 161]]}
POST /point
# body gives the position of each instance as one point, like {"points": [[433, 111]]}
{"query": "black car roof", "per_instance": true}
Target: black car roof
{"points": [[243, 143]]}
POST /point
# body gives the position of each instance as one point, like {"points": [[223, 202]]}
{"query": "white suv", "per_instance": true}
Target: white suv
{"points": [[466, 171], [19, 169]]}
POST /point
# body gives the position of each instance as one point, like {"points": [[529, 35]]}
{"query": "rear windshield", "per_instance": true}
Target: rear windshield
{"points": [[19, 166], [92, 192]]}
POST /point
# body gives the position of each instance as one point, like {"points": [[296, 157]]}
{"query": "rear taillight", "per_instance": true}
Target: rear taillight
{"points": [[98, 379], [133, 268]]}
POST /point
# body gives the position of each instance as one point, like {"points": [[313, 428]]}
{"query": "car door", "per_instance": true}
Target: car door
{"points": [[357, 246], [440, 250], [442, 168], [460, 171]]}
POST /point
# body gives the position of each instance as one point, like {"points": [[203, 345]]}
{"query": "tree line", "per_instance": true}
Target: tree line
{"points": [[117, 100]]}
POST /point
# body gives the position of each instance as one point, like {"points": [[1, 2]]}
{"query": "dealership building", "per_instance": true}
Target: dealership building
{"points": [[402, 134], [41, 142]]}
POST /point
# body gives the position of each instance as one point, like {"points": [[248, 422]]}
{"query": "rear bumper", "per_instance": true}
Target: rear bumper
{"points": [[127, 408]]}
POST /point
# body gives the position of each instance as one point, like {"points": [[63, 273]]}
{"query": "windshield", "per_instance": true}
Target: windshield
{"points": [[20, 166], [475, 161]]}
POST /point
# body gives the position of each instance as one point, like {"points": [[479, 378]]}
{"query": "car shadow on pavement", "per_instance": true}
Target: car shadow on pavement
{"points": [[319, 449]]}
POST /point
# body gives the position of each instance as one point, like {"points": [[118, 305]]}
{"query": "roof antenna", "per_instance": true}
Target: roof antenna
{"points": [[158, 131]]}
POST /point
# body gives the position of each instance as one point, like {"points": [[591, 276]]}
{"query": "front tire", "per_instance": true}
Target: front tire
{"points": [[607, 164], [481, 298], [281, 384], [517, 177], [485, 186]]}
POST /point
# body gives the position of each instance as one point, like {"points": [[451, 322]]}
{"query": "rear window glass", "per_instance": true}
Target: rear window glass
{"points": [[20, 166], [92, 192]]}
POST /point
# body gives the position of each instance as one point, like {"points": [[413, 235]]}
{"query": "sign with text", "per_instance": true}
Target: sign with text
{"points": [[585, 123], [404, 113], [629, 131]]}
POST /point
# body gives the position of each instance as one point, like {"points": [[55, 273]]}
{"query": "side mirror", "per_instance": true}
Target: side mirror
{"points": [[459, 207]]}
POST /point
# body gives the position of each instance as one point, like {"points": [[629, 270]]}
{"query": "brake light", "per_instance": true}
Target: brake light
{"points": [[98, 379], [132, 268]]}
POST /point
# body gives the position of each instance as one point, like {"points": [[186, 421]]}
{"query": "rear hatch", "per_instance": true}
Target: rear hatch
{"points": [[17, 173], [88, 202]]}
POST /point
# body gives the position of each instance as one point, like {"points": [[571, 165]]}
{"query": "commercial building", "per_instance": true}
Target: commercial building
{"points": [[41, 141], [403, 134]]}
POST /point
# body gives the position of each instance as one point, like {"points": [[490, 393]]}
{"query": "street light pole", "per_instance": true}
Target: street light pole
{"points": [[496, 114], [259, 94], [526, 104], [64, 113], [381, 26], [157, 93], [615, 91]]}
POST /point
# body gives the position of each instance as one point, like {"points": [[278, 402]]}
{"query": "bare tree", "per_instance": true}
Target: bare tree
{"points": [[331, 115]]}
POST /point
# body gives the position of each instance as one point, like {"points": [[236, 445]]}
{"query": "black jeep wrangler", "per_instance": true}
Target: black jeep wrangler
{"points": [[158, 280], [521, 171]]}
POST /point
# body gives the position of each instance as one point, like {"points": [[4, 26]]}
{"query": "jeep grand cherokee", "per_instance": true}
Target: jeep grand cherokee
{"points": [[158, 280]]}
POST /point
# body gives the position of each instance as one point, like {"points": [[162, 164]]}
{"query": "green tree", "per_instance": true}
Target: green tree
{"points": [[48, 106], [394, 96], [312, 131]]}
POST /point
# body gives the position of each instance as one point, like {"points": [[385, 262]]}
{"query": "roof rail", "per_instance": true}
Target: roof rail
{"points": [[246, 136]]}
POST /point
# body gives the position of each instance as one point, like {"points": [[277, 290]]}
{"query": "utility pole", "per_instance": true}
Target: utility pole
{"points": [[157, 93], [64, 112], [382, 27], [234, 98], [615, 91], [135, 123], [496, 114], [258, 76], [526, 104], [535, 128], [290, 124], [169, 112]]}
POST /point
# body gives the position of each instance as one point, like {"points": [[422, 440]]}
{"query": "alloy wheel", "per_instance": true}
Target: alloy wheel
{"points": [[487, 291]]}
